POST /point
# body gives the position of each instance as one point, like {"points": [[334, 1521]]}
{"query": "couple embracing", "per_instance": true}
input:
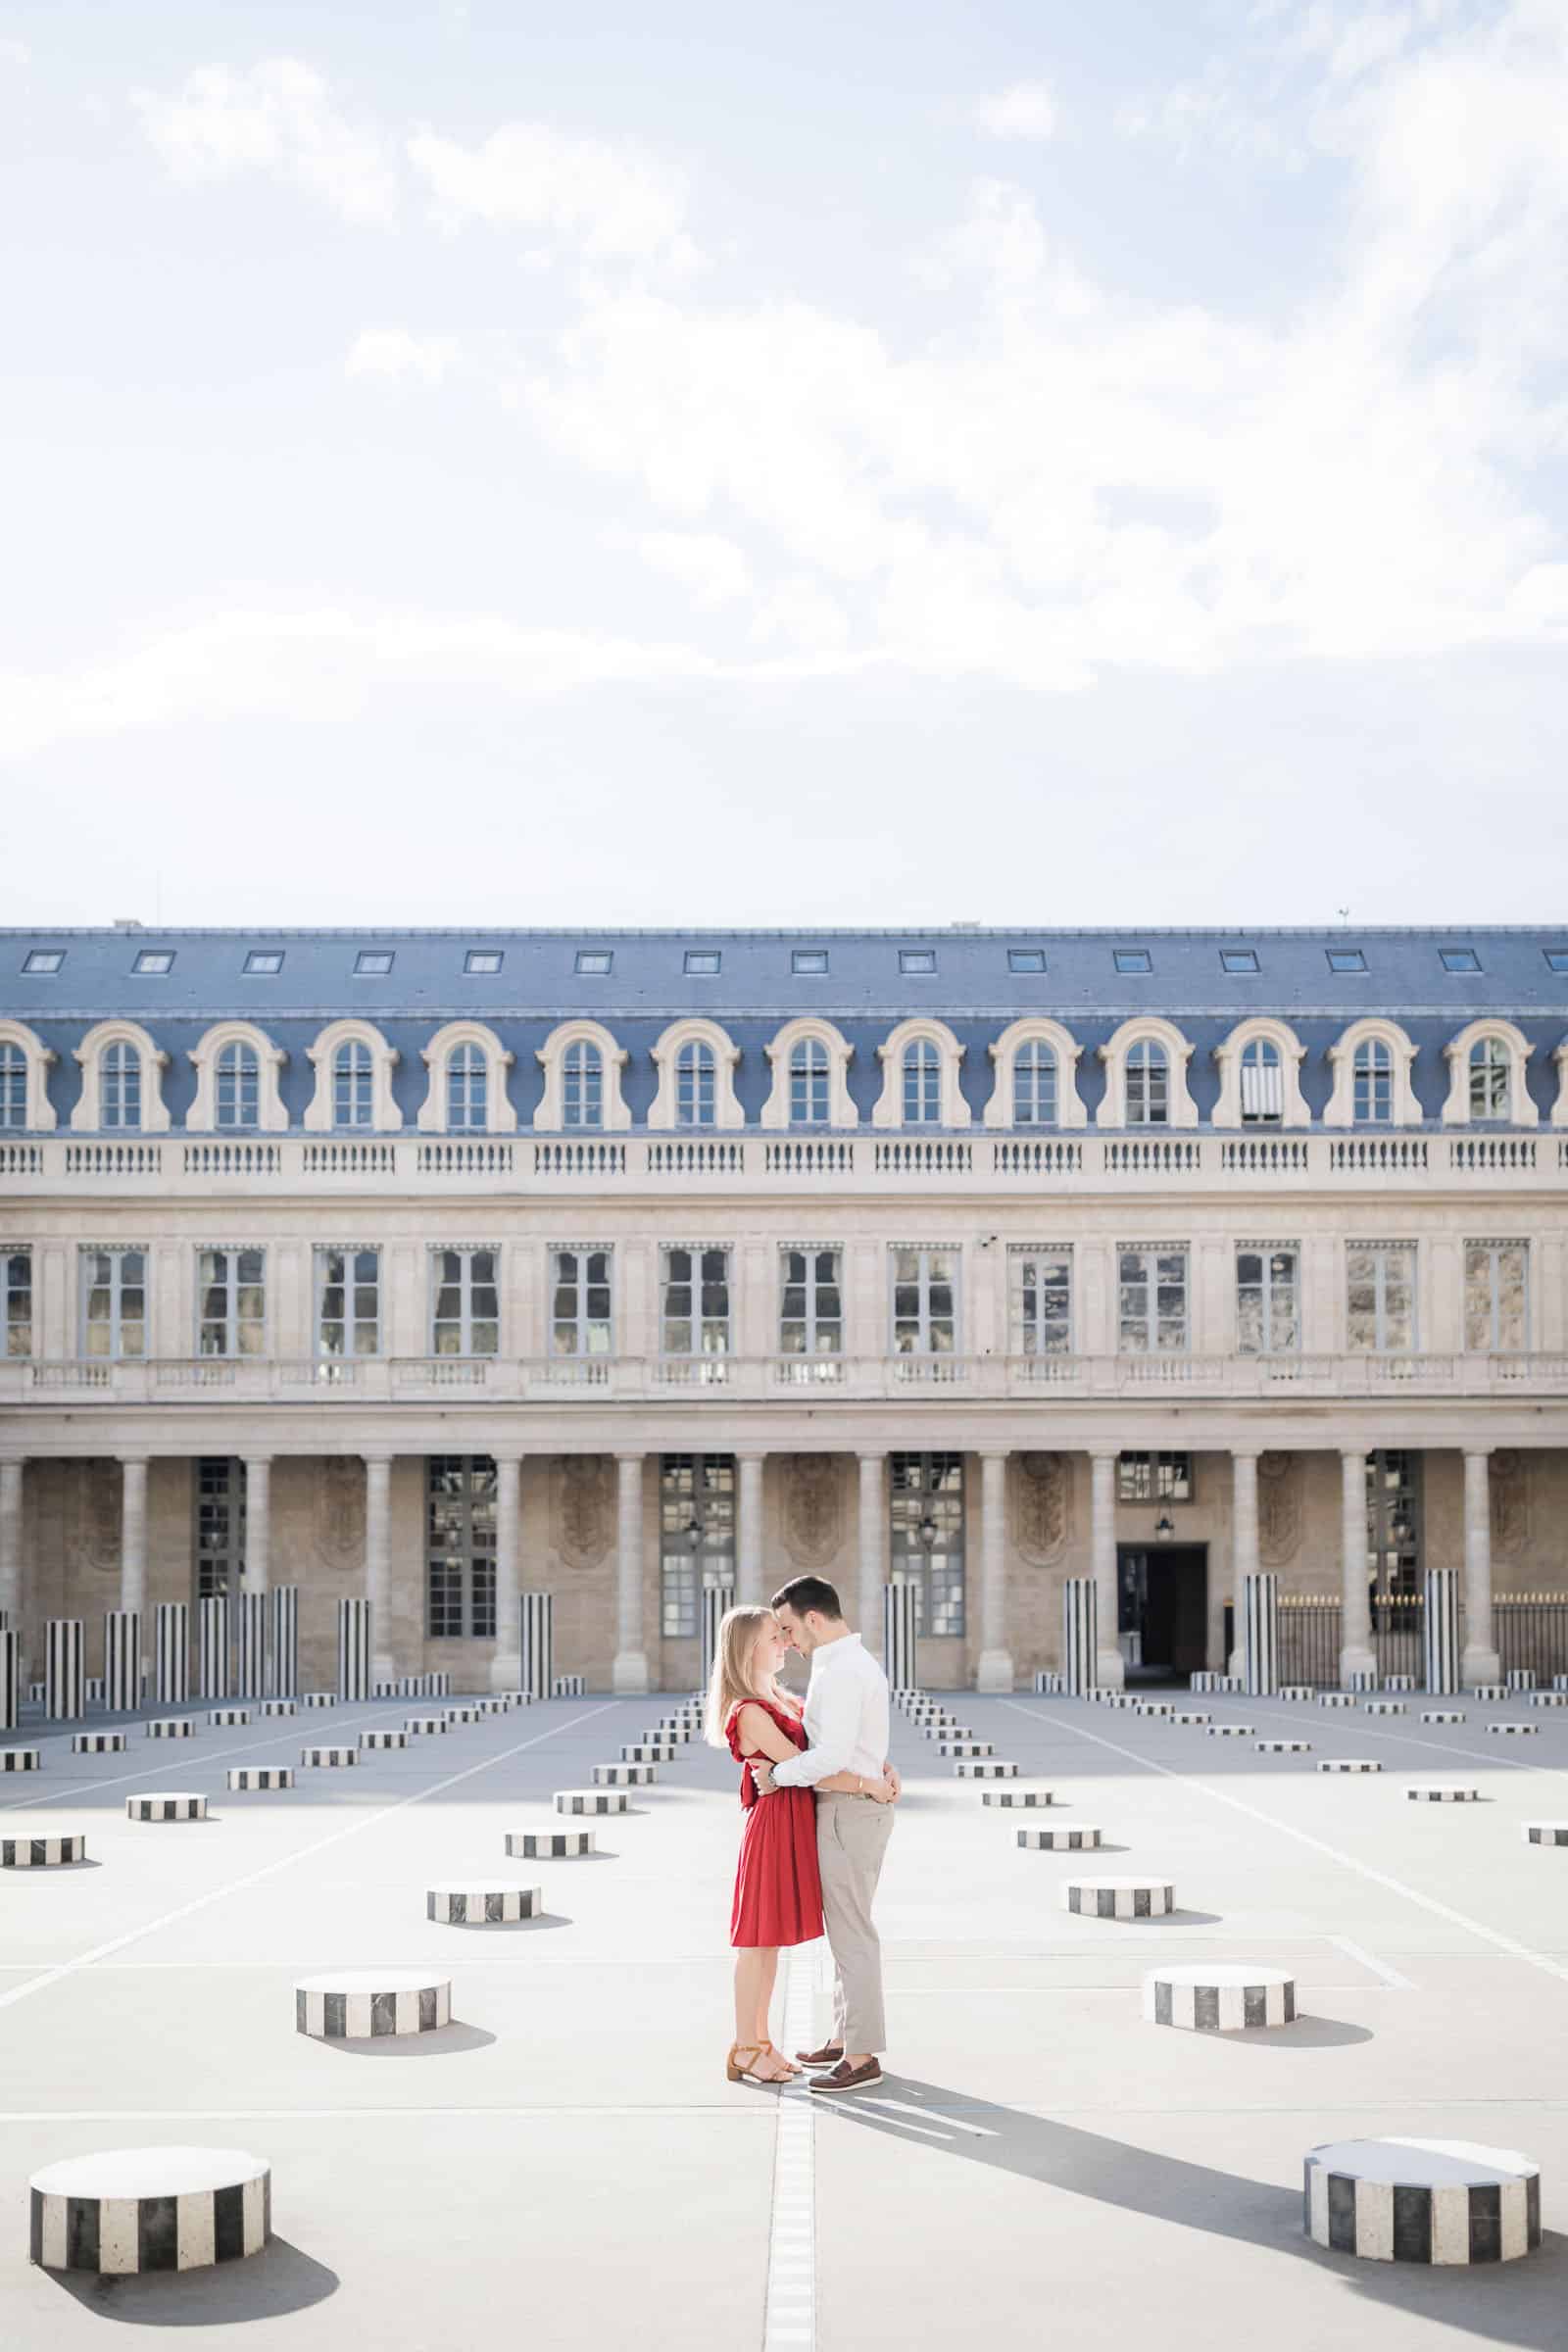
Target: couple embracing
{"points": [[818, 1795]]}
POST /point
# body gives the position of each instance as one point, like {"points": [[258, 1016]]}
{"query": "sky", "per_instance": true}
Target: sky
{"points": [[684, 462]]}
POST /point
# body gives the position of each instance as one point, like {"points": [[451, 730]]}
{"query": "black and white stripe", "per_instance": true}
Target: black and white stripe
{"points": [[1080, 1635], [435, 1685], [223, 1718], [1520, 1678], [353, 1649], [250, 1645], [1421, 2201], [43, 1854], [283, 1661], [964, 1747], [1284, 1747], [1020, 1796], [212, 1647], [1443, 1715], [1210, 1997], [1296, 1690], [536, 1642], [1489, 1690], [260, 1776], [1548, 1698], [65, 1671], [591, 1800], [551, 1845], [1350, 1764], [985, 1768], [1361, 1681], [383, 1739], [467, 1906], [462, 1714], [900, 1638], [172, 1727], [1336, 1699], [1049, 1686], [172, 1652], [1232, 1731], [10, 1681], [1514, 1731], [714, 1600], [1439, 1792], [279, 1706], [321, 1698], [367, 2006], [566, 1686], [1545, 1833], [420, 1727], [122, 1661], [648, 1751], [1261, 1633], [1387, 1707], [329, 1759], [166, 1804], [625, 1775], [97, 1743], [1078, 1840], [18, 1759], [151, 2208], [1119, 1899], [1191, 1715]]}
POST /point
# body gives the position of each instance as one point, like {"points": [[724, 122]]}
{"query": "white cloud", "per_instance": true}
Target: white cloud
{"points": [[712, 569], [1026, 111], [277, 118], [609, 200], [392, 351], [15, 53]]}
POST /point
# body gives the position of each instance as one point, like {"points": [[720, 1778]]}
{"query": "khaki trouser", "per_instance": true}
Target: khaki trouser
{"points": [[851, 1838]]}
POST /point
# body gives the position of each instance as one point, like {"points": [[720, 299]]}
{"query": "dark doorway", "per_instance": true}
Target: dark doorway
{"points": [[1164, 1603]]}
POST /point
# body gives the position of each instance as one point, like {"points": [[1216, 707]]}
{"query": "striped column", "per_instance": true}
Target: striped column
{"points": [[899, 1604], [715, 1600], [212, 1660], [353, 1649], [1261, 1633], [172, 1652], [10, 1681], [1079, 1634], [250, 1647], [536, 1642], [1441, 1633], [64, 1672], [284, 1662], [122, 1661]]}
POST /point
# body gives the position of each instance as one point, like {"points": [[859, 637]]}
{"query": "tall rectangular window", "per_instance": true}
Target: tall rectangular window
{"points": [[220, 1501], [348, 1302], [464, 1300], [1040, 1293], [1155, 1478], [1151, 1300], [580, 1302], [1496, 1298], [114, 1302], [926, 1547], [460, 1546], [1393, 1525], [16, 1299], [810, 1314], [694, 1302], [926, 1300], [231, 1303], [696, 1537], [1268, 1298], [1379, 1297]]}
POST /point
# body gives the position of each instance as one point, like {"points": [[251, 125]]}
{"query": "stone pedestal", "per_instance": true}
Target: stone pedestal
{"points": [[1421, 2201], [150, 2209]]}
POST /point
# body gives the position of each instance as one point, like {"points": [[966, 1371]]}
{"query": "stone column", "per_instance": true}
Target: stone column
{"points": [[506, 1664], [1244, 1542], [749, 1592], [873, 1548], [11, 1540], [995, 1669], [378, 1563], [258, 1522], [133, 1531], [1110, 1670], [1357, 1654], [1479, 1661], [630, 1673]]}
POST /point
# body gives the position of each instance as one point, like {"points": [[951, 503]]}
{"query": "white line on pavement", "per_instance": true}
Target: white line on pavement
{"points": [[791, 2238], [162, 1764], [1380, 1968]]}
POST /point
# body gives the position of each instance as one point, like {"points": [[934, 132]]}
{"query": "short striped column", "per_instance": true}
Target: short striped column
{"points": [[536, 1642], [283, 1663], [1545, 1833], [260, 1776], [122, 1661], [435, 1686], [212, 1647], [551, 1845], [150, 2209], [329, 1759], [459, 1903], [366, 2005], [21, 1759], [1261, 1633], [898, 1637], [168, 1805], [1080, 1839], [250, 1647], [566, 1686], [714, 1600], [97, 1743], [353, 1649], [95, 1691], [1520, 1678], [1441, 1631], [1421, 2201], [1211, 1997], [1119, 1899], [1080, 1624], [10, 1681], [1049, 1686], [172, 1652], [43, 1854], [65, 1671]]}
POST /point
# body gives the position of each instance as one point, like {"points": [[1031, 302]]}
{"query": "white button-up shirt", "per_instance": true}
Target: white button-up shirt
{"points": [[846, 1717]]}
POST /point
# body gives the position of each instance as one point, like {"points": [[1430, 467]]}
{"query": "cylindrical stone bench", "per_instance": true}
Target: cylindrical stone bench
{"points": [[462, 1715], [985, 1768], [964, 1747], [550, 1846], [222, 1717], [1520, 1678], [1421, 2201], [366, 2005], [1118, 1698], [1514, 1731], [1284, 1747], [383, 1739], [260, 1776], [1435, 1793], [567, 1685], [329, 1759], [424, 1727], [498, 1703], [591, 1800], [1548, 1698], [1545, 1833], [174, 1804], [1350, 1764], [43, 1854], [97, 1743], [1443, 1715], [1155, 1706], [1398, 1682], [1078, 1840], [1232, 1731], [1192, 1715], [1296, 1690], [1212, 1996], [279, 1706], [172, 1727], [130, 2210], [625, 1775], [1336, 1699], [1016, 1796], [1490, 1691], [673, 1734], [457, 1904], [648, 1751], [321, 1698], [518, 1699], [1387, 1707], [1119, 1899], [18, 1759]]}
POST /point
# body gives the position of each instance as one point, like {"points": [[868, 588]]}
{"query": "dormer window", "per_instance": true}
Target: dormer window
{"points": [[917, 960], [480, 962], [152, 963], [373, 963], [44, 960], [1133, 960]]}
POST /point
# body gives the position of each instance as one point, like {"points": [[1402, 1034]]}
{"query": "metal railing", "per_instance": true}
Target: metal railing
{"points": [[1531, 1630]]}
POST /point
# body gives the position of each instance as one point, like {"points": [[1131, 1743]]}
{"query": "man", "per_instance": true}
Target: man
{"points": [[847, 1726]]}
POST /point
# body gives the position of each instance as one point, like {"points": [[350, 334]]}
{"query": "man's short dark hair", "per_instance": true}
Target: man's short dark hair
{"points": [[804, 1592]]}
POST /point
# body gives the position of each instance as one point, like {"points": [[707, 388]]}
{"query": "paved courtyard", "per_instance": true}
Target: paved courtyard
{"points": [[565, 2166]]}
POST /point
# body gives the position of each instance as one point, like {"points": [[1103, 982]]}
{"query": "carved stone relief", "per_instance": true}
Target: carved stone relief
{"points": [[814, 1508], [1041, 1506], [583, 1509], [92, 1515], [1510, 1501], [337, 1510], [1279, 1508]]}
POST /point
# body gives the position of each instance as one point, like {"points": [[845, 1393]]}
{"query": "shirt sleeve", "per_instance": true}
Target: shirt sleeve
{"points": [[838, 1718]]}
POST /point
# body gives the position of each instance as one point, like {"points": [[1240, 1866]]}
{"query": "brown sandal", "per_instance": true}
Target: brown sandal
{"points": [[734, 2072], [779, 2055]]}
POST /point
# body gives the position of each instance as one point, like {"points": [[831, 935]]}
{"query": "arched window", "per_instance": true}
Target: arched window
{"points": [[1262, 1084], [582, 1092], [810, 1083], [695, 1085], [239, 1085], [1490, 1068], [1373, 1095], [13, 1087], [1034, 1085], [353, 1085], [922, 1084], [467, 1090], [1147, 1084], [119, 1084]]}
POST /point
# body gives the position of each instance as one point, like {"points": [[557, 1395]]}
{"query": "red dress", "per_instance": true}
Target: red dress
{"points": [[778, 1894]]}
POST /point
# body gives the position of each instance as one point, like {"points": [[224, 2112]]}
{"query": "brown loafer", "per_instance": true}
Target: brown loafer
{"points": [[849, 2078], [828, 2055]]}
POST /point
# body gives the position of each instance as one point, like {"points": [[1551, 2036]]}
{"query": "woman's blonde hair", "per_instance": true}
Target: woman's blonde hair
{"points": [[739, 1631]]}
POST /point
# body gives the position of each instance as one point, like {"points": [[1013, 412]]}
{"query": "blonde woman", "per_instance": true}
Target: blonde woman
{"points": [[778, 1894]]}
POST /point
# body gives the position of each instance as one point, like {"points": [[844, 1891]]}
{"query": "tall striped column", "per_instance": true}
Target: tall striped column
{"points": [[64, 1672], [714, 1600], [536, 1642], [899, 1639], [172, 1652], [1441, 1633], [1080, 1634], [122, 1661], [1261, 1633], [211, 1648], [10, 1681], [250, 1647], [354, 1650], [283, 1664]]}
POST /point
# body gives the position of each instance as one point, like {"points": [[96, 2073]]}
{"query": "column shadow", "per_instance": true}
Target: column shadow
{"points": [[280, 2278]]}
